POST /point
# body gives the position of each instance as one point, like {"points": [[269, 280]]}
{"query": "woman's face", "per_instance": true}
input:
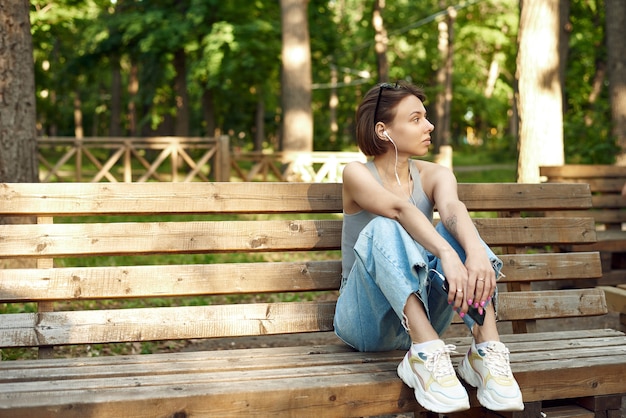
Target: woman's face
{"points": [[410, 129]]}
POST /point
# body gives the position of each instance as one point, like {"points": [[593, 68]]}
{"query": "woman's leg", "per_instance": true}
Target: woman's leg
{"points": [[387, 291]]}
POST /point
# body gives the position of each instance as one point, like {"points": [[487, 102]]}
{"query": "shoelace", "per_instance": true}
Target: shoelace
{"points": [[497, 361], [439, 363]]}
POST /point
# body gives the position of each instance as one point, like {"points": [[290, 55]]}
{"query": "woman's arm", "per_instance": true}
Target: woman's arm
{"points": [[361, 191], [455, 217]]}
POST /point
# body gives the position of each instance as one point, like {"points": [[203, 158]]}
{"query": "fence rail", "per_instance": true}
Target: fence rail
{"points": [[177, 159]]}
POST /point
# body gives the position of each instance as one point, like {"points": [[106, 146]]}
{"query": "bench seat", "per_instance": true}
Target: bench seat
{"points": [[331, 380]]}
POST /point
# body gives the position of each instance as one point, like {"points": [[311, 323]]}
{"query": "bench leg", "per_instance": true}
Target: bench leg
{"points": [[610, 406]]}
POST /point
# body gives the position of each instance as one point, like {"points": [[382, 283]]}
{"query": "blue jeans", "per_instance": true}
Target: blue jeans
{"points": [[389, 267]]}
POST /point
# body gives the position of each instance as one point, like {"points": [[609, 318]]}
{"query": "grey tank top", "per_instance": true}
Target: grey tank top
{"points": [[355, 222]]}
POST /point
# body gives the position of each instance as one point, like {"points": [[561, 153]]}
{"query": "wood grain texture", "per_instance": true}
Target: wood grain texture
{"points": [[291, 381], [126, 198]]}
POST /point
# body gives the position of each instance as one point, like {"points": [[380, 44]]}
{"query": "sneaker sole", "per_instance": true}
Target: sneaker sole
{"points": [[471, 377], [424, 398]]}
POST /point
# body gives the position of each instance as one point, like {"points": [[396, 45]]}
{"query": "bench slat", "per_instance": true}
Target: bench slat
{"points": [[139, 198], [167, 280], [61, 240], [58, 240], [599, 215], [551, 304], [112, 198], [535, 231], [608, 201], [583, 170], [522, 343], [80, 283], [542, 349], [165, 323], [84, 376]]}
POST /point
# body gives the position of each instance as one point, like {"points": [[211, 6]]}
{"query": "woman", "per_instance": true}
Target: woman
{"points": [[397, 265]]}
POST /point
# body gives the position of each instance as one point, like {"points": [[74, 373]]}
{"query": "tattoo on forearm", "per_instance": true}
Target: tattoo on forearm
{"points": [[450, 224]]}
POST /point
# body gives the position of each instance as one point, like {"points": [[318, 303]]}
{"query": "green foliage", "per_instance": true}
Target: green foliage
{"points": [[233, 59]]}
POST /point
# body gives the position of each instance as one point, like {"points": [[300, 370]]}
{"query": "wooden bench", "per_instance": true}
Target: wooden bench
{"points": [[229, 260], [609, 211]]}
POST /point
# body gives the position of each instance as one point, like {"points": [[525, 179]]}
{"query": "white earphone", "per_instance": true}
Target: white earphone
{"points": [[396, 148], [388, 137]]}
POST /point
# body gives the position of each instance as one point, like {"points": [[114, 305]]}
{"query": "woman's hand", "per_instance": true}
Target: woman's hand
{"points": [[481, 283]]}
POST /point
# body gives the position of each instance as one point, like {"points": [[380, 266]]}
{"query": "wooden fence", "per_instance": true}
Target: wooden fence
{"points": [[177, 159]]}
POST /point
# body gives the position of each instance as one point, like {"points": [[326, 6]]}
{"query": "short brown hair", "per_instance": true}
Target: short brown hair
{"points": [[380, 103]]}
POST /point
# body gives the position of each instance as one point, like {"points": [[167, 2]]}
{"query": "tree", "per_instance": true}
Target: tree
{"points": [[296, 77], [443, 101], [539, 98], [380, 41], [18, 140], [616, 47]]}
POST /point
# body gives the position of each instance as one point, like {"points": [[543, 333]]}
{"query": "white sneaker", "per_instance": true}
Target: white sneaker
{"points": [[489, 371], [431, 375]]}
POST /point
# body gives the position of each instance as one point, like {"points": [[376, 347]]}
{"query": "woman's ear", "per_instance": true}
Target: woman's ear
{"points": [[380, 131]]}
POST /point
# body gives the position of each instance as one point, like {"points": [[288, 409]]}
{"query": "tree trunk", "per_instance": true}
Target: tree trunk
{"points": [[133, 90], [18, 135], [540, 98], [259, 121], [116, 97], [296, 77], [78, 116], [565, 27], [181, 127], [208, 112], [616, 46], [380, 41], [442, 134]]}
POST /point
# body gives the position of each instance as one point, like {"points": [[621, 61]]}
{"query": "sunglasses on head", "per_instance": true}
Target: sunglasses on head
{"points": [[383, 86]]}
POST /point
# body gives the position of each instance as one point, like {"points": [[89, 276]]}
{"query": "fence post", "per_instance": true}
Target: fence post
{"points": [[222, 159]]}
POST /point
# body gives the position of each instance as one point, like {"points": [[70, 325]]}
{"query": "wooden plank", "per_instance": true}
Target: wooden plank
{"points": [[609, 201], [611, 241], [168, 237], [535, 231], [82, 283], [78, 283], [199, 197], [520, 343], [615, 298], [568, 411], [71, 370], [60, 240], [522, 197], [550, 304], [124, 198], [551, 266], [163, 323], [583, 171], [599, 215]]}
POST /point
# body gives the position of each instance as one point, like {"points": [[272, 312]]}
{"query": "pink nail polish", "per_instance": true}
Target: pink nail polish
{"points": [[476, 305], [480, 311], [483, 303], [469, 301], [462, 314]]}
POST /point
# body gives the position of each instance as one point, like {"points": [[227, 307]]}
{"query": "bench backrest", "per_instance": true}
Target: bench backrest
{"points": [[124, 262], [605, 182]]}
